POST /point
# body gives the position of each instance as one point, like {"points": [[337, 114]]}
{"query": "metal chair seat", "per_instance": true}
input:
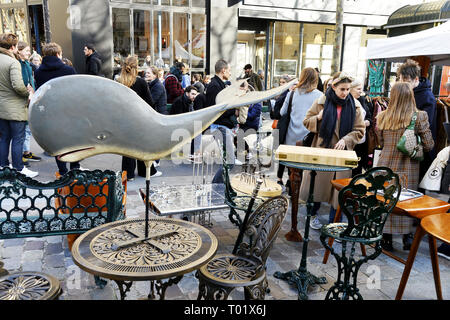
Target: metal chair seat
{"points": [[29, 286], [335, 230], [233, 271]]}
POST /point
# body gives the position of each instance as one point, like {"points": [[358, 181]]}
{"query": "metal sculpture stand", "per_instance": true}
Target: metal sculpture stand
{"points": [[301, 277]]}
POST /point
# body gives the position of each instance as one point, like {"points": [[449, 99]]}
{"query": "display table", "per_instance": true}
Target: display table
{"points": [[120, 252]]}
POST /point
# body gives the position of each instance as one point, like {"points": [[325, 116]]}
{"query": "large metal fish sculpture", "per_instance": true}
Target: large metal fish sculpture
{"points": [[79, 116]]}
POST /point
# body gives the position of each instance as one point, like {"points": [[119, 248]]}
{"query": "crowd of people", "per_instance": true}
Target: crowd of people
{"points": [[334, 114]]}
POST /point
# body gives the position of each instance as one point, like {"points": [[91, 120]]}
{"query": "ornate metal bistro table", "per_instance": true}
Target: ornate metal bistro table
{"points": [[119, 251], [301, 277]]}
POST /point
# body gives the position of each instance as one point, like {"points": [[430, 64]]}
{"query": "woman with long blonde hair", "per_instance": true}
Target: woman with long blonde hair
{"points": [[391, 124], [129, 77]]}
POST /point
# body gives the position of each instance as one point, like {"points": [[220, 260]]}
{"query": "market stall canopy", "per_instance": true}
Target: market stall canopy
{"points": [[433, 43]]}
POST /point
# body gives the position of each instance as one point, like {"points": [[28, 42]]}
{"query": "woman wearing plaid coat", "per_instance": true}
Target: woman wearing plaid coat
{"points": [[391, 125]]}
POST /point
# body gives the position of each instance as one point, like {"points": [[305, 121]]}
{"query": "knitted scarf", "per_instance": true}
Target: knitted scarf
{"points": [[330, 116]]}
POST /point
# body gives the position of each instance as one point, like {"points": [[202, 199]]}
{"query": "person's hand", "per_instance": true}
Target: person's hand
{"points": [[340, 145], [30, 89], [320, 115], [367, 123]]}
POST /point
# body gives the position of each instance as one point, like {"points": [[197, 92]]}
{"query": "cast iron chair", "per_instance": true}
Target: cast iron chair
{"points": [[366, 202], [225, 272], [232, 199]]}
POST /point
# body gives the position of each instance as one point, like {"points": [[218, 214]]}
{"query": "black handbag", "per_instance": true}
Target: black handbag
{"points": [[308, 139], [283, 123]]}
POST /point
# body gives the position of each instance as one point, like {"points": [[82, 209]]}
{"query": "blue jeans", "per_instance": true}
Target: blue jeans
{"points": [[62, 166], [227, 139], [26, 143], [12, 134]]}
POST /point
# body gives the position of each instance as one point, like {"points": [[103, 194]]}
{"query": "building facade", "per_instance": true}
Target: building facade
{"points": [[278, 37]]}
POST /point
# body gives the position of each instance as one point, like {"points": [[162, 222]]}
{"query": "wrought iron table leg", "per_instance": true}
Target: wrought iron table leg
{"points": [[301, 277], [295, 178], [158, 287], [124, 287]]}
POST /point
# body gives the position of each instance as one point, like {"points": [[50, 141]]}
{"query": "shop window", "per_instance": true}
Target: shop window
{"points": [[161, 29], [14, 21], [121, 34], [198, 40], [180, 3], [317, 51], [161, 2], [10, 1], [142, 36], [198, 3], [180, 38], [286, 50]]}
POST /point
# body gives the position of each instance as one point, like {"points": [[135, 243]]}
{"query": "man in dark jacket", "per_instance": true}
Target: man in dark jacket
{"points": [[93, 61], [172, 82], [185, 103], [52, 67], [254, 80]]}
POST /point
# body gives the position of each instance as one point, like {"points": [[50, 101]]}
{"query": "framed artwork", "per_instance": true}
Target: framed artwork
{"points": [[283, 66]]}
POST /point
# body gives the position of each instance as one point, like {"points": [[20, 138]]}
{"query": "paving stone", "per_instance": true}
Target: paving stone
{"points": [[32, 266], [12, 252], [33, 255], [13, 243], [11, 264], [34, 245], [55, 261], [54, 239], [53, 248]]}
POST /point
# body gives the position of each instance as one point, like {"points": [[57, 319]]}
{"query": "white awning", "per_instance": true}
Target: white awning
{"points": [[433, 42]]}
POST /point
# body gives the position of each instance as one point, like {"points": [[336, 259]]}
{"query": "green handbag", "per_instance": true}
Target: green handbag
{"points": [[410, 143]]}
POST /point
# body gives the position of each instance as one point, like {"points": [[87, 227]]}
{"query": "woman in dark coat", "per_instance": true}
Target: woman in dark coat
{"points": [[157, 90], [129, 77]]}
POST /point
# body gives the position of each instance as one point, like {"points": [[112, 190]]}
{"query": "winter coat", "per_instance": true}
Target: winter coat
{"points": [[228, 118], [182, 105], [255, 81], [52, 67], [94, 64], [140, 86], [426, 101], [275, 111], [200, 87], [173, 88], [159, 97], [27, 74], [253, 117], [403, 166], [323, 190], [13, 93]]}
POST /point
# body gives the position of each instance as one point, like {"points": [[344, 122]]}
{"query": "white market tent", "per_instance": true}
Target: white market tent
{"points": [[433, 42]]}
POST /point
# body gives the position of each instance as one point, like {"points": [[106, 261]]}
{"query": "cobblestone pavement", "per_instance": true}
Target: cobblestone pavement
{"points": [[378, 279]]}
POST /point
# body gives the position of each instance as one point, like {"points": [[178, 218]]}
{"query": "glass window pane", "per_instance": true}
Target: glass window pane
{"points": [[20, 24], [180, 37], [321, 38], [142, 36], [161, 29], [161, 2], [198, 40], [8, 20], [198, 3], [142, 1], [10, 1], [180, 3], [121, 34], [286, 50]]}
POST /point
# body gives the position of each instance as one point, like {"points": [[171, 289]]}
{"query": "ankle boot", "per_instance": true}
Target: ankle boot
{"points": [[407, 241], [386, 242]]}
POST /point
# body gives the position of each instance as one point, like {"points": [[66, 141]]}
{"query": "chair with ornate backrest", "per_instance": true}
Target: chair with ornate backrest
{"points": [[366, 202], [225, 272], [235, 201]]}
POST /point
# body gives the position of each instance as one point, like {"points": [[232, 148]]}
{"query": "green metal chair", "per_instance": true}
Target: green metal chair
{"points": [[225, 272], [366, 202]]}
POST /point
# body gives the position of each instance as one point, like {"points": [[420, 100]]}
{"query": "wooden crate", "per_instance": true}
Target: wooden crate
{"points": [[331, 157]]}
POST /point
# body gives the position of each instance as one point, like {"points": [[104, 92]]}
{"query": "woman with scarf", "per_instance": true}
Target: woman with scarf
{"points": [[336, 119]]}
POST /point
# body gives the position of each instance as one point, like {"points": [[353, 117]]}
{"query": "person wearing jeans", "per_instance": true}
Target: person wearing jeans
{"points": [[13, 105]]}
